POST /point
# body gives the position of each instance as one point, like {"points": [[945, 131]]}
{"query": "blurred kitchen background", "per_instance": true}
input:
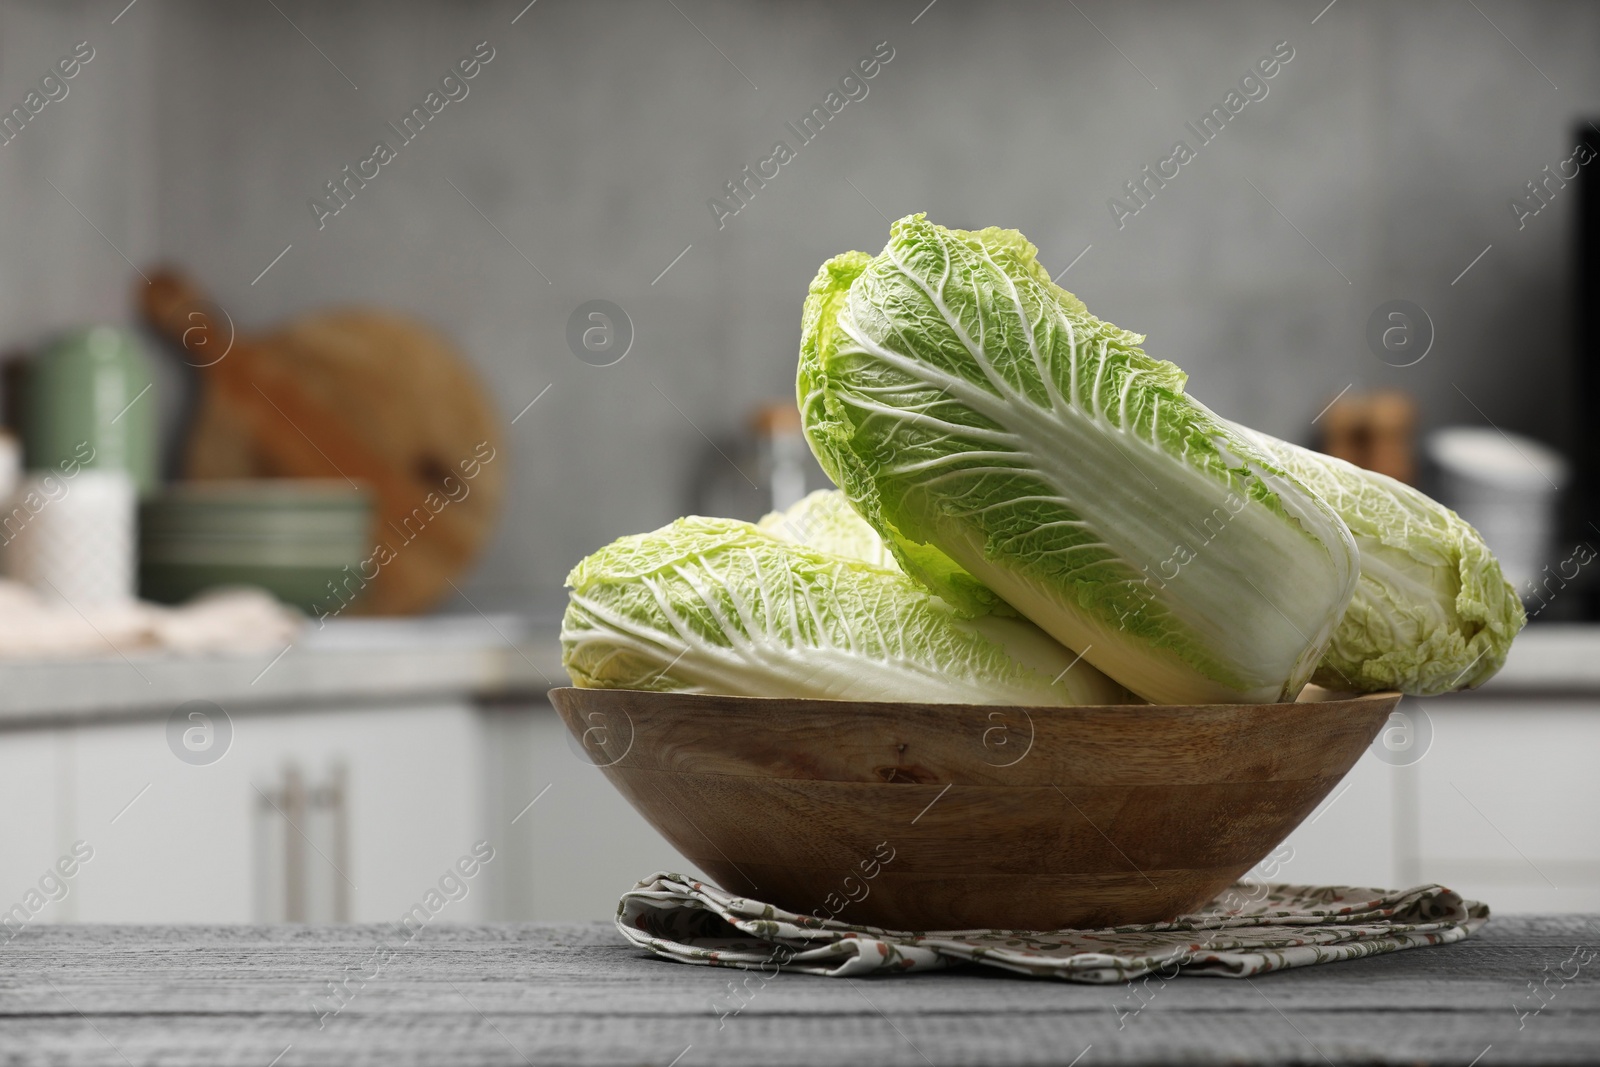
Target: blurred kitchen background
{"points": [[564, 307]]}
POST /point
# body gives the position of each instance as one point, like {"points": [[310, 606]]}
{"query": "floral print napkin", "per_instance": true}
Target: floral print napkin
{"points": [[1249, 929]]}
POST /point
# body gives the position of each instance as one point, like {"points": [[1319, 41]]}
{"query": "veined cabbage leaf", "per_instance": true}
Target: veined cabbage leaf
{"points": [[1432, 612], [1014, 449], [825, 521], [717, 606]]}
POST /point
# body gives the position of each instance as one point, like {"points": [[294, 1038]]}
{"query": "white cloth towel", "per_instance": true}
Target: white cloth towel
{"points": [[227, 620]]}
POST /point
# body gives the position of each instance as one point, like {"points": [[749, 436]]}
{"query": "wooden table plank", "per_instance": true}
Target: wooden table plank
{"points": [[565, 993]]}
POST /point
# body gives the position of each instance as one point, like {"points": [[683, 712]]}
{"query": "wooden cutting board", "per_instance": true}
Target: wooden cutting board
{"points": [[363, 394]]}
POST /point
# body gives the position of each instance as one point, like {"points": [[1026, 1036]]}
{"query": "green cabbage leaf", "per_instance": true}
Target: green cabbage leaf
{"points": [[716, 606], [1017, 453], [1431, 612], [825, 521]]}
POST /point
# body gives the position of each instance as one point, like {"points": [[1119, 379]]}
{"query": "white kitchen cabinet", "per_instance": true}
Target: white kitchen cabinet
{"points": [[175, 842], [1500, 804], [84, 754], [1508, 801], [35, 829], [581, 845]]}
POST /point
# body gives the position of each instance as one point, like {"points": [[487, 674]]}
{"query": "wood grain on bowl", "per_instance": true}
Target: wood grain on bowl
{"points": [[1024, 818]]}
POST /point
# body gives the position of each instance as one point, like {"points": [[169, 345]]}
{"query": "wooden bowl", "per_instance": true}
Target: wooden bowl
{"points": [[956, 816]]}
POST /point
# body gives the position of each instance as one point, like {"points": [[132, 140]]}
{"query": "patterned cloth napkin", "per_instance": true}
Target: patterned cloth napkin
{"points": [[1249, 929]]}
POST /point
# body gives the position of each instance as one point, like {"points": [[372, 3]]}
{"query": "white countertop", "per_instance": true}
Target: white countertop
{"points": [[357, 660], [351, 660]]}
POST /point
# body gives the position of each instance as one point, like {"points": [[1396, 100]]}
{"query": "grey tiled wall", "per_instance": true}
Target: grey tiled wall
{"points": [[1382, 159]]}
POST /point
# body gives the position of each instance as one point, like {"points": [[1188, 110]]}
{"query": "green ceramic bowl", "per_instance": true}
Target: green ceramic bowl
{"points": [[293, 538]]}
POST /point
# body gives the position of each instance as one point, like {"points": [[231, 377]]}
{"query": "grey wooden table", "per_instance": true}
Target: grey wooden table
{"points": [[565, 993]]}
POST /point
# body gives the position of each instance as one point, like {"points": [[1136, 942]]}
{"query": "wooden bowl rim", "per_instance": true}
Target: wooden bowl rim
{"points": [[820, 704]]}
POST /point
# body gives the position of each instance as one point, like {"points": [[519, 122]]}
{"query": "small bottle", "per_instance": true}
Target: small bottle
{"points": [[783, 452]]}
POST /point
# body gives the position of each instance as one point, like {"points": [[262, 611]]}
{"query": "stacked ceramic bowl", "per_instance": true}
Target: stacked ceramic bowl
{"points": [[293, 538]]}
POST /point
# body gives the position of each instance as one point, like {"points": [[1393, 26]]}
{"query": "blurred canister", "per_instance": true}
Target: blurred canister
{"points": [[86, 399], [70, 534], [1506, 486], [89, 445]]}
